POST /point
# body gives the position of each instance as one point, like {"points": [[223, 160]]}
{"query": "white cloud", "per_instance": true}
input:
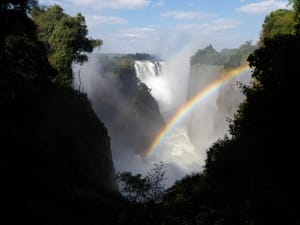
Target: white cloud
{"points": [[159, 4], [144, 32], [191, 27], [221, 24], [186, 15], [94, 20], [49, 2], [213, 26], [165, 41], [263, 7], [112, 4]]}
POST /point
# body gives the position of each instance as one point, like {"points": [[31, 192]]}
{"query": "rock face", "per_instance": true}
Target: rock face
{"points": [[61, 144], [123, 103], [201, 124], [209, 121]]}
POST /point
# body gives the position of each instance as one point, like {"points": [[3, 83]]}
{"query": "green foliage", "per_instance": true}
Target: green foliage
{"points": [[25, 68], [250, 176], [133, 187], [207, 56], [237, 57], [279, 22], [65, 38], [140, 189], [230, 58], [296, 6], [243, 171], [54, 150], [56, 153]]}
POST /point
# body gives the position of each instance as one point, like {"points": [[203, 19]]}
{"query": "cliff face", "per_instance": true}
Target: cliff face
{"points": [[202, 122], [57, 145], [123, 103], [81, 139], [139, 117], [209, 121]]}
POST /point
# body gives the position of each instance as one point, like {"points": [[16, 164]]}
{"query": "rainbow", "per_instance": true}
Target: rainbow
{"points": [[193, 102]]}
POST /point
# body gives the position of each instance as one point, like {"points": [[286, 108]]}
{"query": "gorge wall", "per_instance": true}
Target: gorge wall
{"points": [[124, 104]]}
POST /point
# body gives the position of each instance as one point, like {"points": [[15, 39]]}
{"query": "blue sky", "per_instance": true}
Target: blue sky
{"points": [[165, 26]]}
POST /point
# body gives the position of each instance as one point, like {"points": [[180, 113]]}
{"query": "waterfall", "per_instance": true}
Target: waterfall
{"points": [[176, 147], [152, 74], [146, 68]]}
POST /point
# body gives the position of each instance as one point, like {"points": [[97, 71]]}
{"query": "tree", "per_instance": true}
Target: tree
{"points": [[133, 187], [279, 22], [243, 172], [66, 39], [150, 188], [296, 6], [252, 175], [156, 182], [207, 56], [24, 65]]}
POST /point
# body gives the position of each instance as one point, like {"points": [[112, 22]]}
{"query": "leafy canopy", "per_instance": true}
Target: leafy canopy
{"points": [[144, 189], [66, 39], [279, 22]]}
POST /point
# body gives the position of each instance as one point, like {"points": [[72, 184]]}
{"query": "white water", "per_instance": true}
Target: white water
{"points": [[168, 82], [152, 74], [146, 68], [176, 148], [204, 125]]}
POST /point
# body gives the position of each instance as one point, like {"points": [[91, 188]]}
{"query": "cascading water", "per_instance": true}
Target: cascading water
{"points": [[176, 146], [185, 145], [171, 84], [150, 72], [146, 68]]}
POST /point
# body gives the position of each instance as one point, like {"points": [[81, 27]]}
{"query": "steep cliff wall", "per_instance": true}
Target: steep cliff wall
{"points": [[58, 145], [123, 103], [208, 122]]}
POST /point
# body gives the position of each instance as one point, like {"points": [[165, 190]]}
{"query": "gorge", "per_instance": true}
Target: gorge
{"points": [[146, 94], [90, 137]]}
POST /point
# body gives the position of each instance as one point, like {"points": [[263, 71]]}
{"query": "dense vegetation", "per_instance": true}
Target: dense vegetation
{"points": [[65, 39], [250, 178], [279, 22], [229, 58], [55, 154]]}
